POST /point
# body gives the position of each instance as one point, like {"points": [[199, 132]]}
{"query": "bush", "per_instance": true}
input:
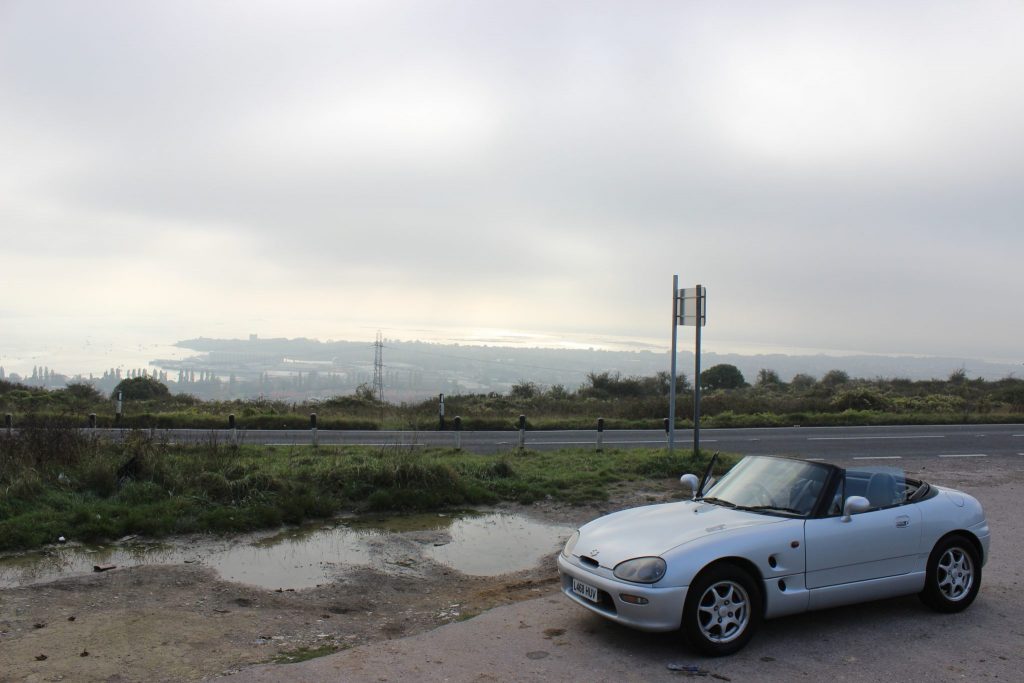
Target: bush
{"points": [[141, 389], [722, 376]]}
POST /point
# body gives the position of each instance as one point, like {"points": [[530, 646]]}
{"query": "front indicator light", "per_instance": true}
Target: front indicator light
{"points": [[641, 570], [570, 544], [633, 599]]}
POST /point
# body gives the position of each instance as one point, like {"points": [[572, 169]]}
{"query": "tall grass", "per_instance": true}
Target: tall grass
{"points": [[57, 481]]}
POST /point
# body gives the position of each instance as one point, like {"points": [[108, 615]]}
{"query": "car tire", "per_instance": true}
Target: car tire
{"points": [[954, 575], [722, 610]]}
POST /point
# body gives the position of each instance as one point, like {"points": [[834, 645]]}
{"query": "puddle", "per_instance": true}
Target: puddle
{"points": [[476, 544]]}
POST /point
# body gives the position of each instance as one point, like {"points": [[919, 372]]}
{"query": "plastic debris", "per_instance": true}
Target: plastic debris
{"points": [[688, 669]]}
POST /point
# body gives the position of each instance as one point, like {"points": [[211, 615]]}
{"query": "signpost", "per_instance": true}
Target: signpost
{"points": [[689, 308]]}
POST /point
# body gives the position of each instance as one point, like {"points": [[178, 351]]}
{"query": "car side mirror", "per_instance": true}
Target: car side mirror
{"points": [[691, 482], [855, 505]]}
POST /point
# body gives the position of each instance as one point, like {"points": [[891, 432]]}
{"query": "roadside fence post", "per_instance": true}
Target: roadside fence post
{"points": [[312, 429], [600, 434], [440, 413], [458, 433], [119, 408], [667, 436], [522, 432], [232, 432], [92, 424], [9, 423]]}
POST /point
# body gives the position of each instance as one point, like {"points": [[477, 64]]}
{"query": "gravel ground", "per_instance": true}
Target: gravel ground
{"points": [[426, 622], [547, 638]]}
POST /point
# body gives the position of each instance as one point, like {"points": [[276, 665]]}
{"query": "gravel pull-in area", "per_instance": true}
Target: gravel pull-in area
{"points": [[423, 621], [547, 638]]}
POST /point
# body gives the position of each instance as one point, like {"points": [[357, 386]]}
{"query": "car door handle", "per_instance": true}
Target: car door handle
{"points": [[902, 521]]}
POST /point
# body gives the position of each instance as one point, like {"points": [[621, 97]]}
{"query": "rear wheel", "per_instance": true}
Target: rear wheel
{"points": [[954, 575], [722, 610]]}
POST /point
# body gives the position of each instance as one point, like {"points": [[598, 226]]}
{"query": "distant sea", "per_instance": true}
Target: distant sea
{"points": [[84, 347]]}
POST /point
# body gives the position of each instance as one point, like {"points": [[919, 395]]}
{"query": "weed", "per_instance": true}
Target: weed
{"points": [[105, 490], [302, 654]]}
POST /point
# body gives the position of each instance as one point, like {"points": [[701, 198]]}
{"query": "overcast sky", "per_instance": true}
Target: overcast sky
{"points": [[841, 176]]}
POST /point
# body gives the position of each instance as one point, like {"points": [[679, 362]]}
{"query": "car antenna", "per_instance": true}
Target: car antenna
{"points": [[707, 475]]}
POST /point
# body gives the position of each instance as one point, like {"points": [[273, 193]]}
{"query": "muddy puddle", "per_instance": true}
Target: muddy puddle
{"points": [[477, 544]]}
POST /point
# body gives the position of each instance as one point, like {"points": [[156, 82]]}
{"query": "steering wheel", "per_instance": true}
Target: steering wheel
{"points": [[762, 494]]}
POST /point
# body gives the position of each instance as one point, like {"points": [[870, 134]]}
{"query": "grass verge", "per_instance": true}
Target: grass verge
{"points": [[57, 481]]}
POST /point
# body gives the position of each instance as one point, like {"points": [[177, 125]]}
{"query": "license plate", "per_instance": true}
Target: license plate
{"points": [[583, 590]]}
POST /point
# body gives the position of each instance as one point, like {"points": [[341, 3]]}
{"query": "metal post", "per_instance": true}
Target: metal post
{"points": [[9, 423], [522, 432], [672, 379], [600, 434], [312, 429], [668, 433], [696, 373], [458, 433], [440, 412], [232, 432], [118, 410]]}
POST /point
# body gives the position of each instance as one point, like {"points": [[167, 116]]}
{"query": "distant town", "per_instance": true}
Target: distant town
{"points": [[302, 369]]}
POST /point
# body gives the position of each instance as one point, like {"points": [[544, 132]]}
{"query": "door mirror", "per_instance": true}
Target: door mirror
{"points": [[691, 482], [855, 505]]}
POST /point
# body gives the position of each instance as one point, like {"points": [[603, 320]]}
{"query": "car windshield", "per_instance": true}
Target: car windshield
{"points": [[768, 484]]}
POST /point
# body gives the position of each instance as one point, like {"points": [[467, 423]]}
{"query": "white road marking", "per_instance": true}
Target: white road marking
{"points": [[872, 438], [963, 455], [879, 457], [650, 441], [346, 443], [815, 459], [578, 443]]}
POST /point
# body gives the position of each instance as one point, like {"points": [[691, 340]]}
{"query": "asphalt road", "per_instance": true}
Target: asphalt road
{"points": [[828, 443]]}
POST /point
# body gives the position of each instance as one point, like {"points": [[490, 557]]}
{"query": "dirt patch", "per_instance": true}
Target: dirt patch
{"points": [[182, 622]]}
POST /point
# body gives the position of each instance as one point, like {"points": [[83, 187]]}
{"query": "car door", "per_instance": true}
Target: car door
{"points": [[872, 545]]}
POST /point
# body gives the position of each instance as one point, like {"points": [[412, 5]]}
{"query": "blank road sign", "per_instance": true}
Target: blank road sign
{"points": [[692, 307]]}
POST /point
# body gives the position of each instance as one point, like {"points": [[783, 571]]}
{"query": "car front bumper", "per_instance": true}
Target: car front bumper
{"points": [[663, 611]]}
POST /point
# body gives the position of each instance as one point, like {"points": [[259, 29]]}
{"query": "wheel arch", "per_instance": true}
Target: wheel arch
{"points": [[744, 564], [969, 535]]}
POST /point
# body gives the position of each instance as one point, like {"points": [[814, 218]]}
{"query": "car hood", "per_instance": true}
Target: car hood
{"points": [[655, 529]]}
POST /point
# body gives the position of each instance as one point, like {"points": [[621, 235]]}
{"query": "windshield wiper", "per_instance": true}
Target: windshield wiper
{"points": [[718, 501], [779, 508]]}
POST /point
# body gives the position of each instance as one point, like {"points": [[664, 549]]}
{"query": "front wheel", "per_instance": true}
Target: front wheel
{"points": [[954, 575], [722, 610]]}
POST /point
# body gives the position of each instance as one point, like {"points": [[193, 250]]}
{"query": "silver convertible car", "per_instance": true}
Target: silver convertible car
{"points": [[776, 536]]}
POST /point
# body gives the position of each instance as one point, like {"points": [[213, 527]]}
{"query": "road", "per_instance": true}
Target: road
{"points": [[827, 443]]}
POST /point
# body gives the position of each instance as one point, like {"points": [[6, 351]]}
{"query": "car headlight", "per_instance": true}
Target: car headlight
{"points": [[641, 570], [570, 544]]}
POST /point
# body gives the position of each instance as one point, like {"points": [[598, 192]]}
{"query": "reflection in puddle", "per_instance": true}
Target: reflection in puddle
{"points": [[479, 545], [489, 545]]}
